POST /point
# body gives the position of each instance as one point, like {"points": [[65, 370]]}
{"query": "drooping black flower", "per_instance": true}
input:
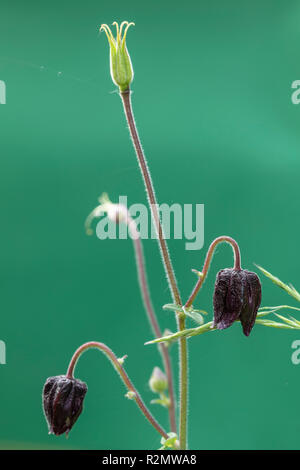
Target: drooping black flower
{"points": [[62, 402], [237, 296]]}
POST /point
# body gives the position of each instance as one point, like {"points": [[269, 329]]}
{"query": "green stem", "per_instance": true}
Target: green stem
{"points": [[183, 385], [120, 213], [121, 371], [126, 99], [183, 361], [145, 291]]}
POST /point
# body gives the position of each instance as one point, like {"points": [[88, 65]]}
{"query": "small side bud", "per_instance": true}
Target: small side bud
{"points": [[130, 395], [121, 360], [158, 381], [63, 403], [120, 63], [198, 273]]}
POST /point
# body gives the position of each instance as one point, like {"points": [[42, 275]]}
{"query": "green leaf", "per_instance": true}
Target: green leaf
{"points": [[274, 324], [295, 320], [263, 311], [293, 323], [173, 307], [197, 317], [189, 332], [190, 312], [165, 402], [288, 288], [184, 333]]}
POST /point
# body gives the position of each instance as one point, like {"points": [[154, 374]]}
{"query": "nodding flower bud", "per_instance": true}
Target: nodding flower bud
{"points": [[158, 381], [237, 296], [120, 64], [62, 402]]}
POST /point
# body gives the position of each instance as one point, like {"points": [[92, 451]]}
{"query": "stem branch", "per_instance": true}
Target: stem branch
{"points": [[121, 371]]}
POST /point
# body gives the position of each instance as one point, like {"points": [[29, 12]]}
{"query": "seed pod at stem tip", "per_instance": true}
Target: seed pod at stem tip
{"points": [[120, 63]]}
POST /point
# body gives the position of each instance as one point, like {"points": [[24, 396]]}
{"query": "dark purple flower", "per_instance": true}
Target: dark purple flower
{"points": [[237, 296], [62, 402]]}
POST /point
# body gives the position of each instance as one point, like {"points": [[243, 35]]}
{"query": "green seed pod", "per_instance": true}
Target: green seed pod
{"points": [[120, 64]]}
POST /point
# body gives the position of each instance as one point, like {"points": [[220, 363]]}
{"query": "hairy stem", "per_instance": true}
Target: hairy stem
{"points": [[183, 357], [210, 252], [144, 287], [121, 371], [151, 195], [183, 361]]}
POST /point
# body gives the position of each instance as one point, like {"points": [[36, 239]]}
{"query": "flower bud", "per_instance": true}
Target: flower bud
{"points": [[131, 395], [237, 296], [62, 402], [158, 381], [120, 64]]}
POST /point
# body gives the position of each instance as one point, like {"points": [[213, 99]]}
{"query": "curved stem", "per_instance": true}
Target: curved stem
{"points": [[210, 252], [144, 287], [183, 359], [121, 371]]}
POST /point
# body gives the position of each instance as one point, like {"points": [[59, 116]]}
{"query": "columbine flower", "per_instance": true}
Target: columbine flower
{"points": [[120, 64], [237, 296], [63, 403]]}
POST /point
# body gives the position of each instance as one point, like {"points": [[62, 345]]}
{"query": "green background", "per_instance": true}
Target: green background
{"points": [[212, 98]]}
